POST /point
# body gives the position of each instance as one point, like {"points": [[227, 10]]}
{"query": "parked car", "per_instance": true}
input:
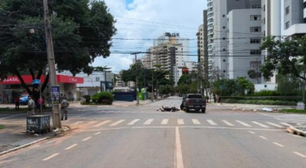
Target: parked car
{"points": [[193, 101], [24, 99]]}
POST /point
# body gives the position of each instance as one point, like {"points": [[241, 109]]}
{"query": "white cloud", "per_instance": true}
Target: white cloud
{"points": [[143, 20]]}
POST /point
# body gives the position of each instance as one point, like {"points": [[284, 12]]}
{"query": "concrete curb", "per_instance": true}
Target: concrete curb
{"points": [[296, 131], [23, 146]]}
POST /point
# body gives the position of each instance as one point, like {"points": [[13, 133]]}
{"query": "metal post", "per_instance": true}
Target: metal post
{"points": [[51, 61], [136, 87], [152, 94]]}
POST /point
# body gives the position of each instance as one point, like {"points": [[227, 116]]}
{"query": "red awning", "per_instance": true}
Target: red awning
{"points": [[28, 79]]}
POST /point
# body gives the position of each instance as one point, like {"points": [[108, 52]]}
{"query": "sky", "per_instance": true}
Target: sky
{"points": [[139, 22]]}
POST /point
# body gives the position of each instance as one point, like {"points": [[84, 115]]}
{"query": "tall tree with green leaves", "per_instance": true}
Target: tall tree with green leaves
{"points": [[284, 56], [81, 29]]}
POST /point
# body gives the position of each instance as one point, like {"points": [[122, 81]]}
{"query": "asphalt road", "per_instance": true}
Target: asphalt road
{"points": [[142, 137]]}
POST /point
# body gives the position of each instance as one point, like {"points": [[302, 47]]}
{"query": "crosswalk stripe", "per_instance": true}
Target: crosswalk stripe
{"points": [[180, 121], [148, 122], [211, 122], [165, 121], [92, 122], [102, 123], [276, 125], [133, 122], [226, 122], [242, 123], [262, 125], [116, 123], [195, 121]]}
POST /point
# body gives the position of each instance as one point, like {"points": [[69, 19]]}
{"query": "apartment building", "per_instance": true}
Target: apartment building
{"points": [[294, 18], [169, 52]]}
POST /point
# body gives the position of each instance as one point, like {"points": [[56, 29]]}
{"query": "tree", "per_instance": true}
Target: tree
{"points": [[288, 84], [254, 75], [285, 56], [82, 31]]}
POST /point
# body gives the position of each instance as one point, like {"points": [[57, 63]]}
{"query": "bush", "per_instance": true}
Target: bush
{"points": [[87, 98], [266, 93], [103, 98]]}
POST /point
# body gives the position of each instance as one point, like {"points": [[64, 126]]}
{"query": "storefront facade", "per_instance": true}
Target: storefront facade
{"points": [[12, 85]]}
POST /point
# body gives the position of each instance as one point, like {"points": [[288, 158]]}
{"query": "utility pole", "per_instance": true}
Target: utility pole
{"points": [[51, 61], [136, 84]]}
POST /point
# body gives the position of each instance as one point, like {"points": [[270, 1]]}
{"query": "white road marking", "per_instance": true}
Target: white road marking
{"points": [[286, 124], [165, 121], [50, 157], [262, 125], [251, 132], [97, 133], [148, 122], [178, 149], [211, 122], [242, 123], [276, 125], [133, 122], [227, 123], [180, 121], [92, 122], [102, 123], [72, 146], [196, 122], [280, 145], [116, 123], [299, 154], [86, 139], [262, 137], [296, 136], [79, 122]]}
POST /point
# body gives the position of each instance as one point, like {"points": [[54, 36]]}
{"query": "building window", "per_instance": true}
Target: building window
{"points": [[287, 10], [223, 15], [255, 52], [256, 6], [255, 29], [255, 17], [223, 38], [287, 25], [255, 40], [97, 79], [264, 8]]}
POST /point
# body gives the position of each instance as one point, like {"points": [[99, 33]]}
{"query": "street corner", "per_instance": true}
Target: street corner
{"points": [[297, 130]]}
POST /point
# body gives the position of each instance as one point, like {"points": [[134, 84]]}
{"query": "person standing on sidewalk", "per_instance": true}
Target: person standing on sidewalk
{"points": [[31, 106], [17, 102], [64, 107]]}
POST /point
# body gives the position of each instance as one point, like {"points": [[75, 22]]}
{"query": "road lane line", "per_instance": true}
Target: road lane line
{"points": [[148, 122], [133, 122], [180, 121], [286, 124], [92, 122], [196, 122], [86, 139], [280, 145], [102, 123], [116, 123], [178, 149], [211, 122], [165, 121], [299, 154], [263, 137], [227, 123], [262, 125], [72, 146], [97, 133], [50, 157], [78, 122], [276, 125], [251, 132], [242, 123], [11, 116]]}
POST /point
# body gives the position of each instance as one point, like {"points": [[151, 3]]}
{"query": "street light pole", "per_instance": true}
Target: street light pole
{"points": [[136, 87], [51, 61]]}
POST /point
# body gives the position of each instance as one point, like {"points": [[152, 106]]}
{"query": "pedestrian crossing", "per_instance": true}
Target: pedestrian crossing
{"points": [[188, 122]]}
